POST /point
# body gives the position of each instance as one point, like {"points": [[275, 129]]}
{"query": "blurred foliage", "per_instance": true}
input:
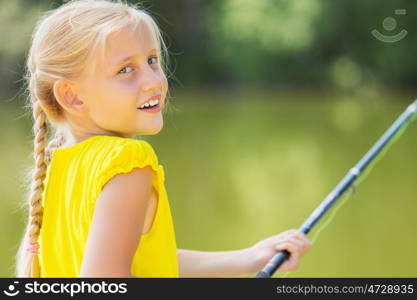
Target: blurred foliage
{"points": [[299, 42], [17, 19]]}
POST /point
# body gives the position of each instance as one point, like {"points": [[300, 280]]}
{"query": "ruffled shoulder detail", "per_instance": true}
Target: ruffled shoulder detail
{"points": [[124, 156]]}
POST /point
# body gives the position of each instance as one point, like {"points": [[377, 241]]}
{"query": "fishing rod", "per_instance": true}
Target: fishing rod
{"points": [[393, 132]]}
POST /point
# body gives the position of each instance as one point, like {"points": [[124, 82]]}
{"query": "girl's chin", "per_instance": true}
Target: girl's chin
{"points": [[150, 131]]}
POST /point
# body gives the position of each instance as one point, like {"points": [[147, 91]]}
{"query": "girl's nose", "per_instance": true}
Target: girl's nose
{"points": [[150, 80]]}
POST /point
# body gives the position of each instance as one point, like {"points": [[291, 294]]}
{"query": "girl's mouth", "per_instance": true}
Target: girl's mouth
{"points": [[152, 109]]}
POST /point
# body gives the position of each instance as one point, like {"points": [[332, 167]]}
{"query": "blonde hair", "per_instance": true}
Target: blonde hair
{"points": [[64, 43]]}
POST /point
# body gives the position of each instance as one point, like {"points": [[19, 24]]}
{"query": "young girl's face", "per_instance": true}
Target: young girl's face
{"points": [[127, 78]]}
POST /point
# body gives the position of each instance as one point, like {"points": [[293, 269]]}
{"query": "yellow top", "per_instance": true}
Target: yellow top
{"points": [[74, 179]]}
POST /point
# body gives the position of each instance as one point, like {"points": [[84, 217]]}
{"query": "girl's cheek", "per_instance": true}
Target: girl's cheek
{"points": [[126, 84], [163, 77]]}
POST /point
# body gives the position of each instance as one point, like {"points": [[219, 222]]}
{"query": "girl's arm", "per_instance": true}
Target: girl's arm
{"points": [[246, 261], [117, 224], [214, 264]]}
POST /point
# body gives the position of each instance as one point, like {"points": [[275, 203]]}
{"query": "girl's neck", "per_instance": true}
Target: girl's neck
{"points": [[73, 139]]}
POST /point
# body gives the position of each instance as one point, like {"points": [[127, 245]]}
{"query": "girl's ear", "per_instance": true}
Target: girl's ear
{"points": [[64, 93]]}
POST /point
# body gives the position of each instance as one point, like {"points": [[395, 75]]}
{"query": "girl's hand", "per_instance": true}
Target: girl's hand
{"points": [[294, 241]]}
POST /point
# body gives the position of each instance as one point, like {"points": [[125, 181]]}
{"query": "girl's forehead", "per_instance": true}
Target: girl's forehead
{"points": [[142, 36], [129, 41]]}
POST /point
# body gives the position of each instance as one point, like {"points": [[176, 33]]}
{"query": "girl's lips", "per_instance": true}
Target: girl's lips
{"points": [[153, 109]]}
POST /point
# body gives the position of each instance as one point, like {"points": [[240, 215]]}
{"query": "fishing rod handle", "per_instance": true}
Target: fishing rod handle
{"points": [[274, 263]]}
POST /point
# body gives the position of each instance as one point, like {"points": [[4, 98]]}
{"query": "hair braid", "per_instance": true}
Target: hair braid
{"points": [[57, 141], [36, 210]]}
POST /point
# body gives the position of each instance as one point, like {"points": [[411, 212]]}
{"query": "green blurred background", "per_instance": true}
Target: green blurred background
{"points": [[272, 101]]}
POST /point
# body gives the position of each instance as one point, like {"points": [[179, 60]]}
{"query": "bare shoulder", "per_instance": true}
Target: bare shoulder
{"points": [[117, 224]]}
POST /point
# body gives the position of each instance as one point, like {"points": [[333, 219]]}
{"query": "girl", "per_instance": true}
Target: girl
{"points": [[97, 204]]}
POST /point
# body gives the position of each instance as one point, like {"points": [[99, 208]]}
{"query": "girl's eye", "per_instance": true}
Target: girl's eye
{"points": [[153, 60], [124, 68]]}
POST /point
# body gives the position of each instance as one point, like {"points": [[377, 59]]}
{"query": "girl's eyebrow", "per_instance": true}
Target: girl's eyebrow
{"points": [[127, 58]]}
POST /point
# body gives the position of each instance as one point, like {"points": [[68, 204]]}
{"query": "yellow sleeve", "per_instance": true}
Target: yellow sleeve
{"points": [[127, 156]]}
